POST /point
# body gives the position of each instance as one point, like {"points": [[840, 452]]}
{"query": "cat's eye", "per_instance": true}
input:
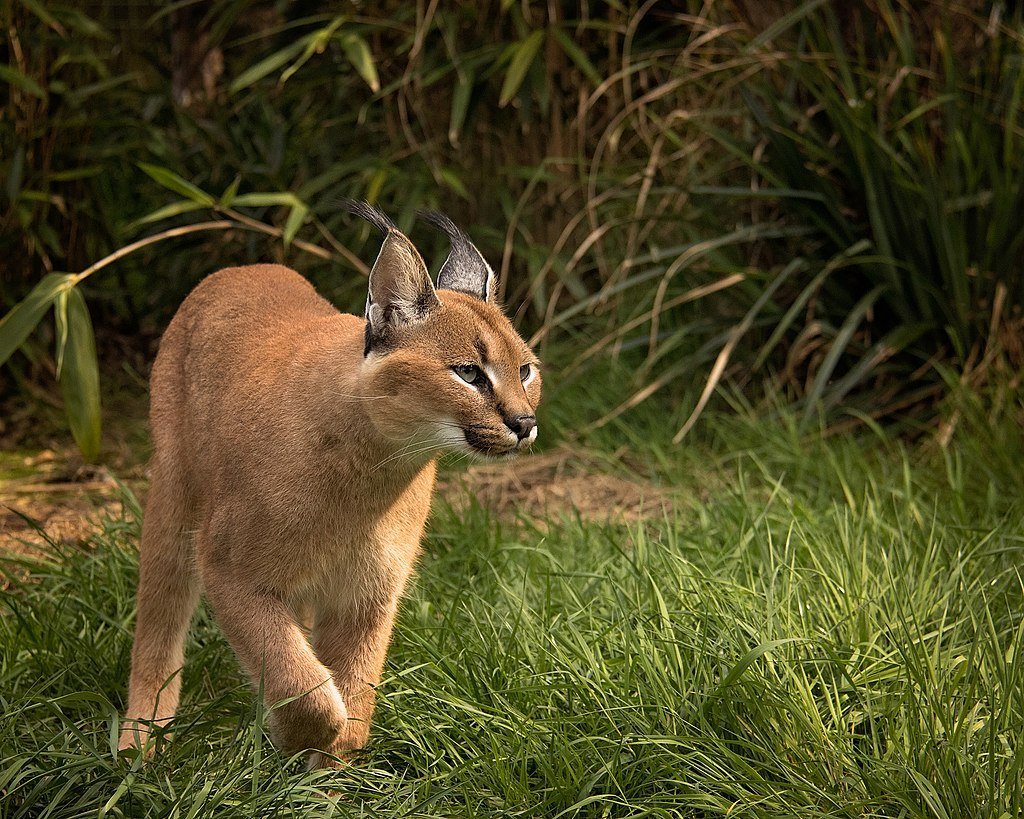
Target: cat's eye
{"points": [[470, 373], [524, 372]]}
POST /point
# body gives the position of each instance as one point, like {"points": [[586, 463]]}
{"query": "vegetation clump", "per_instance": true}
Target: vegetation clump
{"points": [[816, 203], [771, 257]]}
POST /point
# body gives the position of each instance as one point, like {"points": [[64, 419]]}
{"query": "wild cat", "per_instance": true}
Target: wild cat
{"points": [[294, 459]]}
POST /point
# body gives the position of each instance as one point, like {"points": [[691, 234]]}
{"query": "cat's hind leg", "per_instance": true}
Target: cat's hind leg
{"points": [[167, 596]]}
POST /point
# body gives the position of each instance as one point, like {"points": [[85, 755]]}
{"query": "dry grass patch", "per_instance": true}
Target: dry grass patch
{"points": [[50, 499], [566, 479]]}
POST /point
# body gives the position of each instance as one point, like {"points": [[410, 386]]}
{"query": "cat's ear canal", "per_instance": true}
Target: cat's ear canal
{"points": [[400, 287]]}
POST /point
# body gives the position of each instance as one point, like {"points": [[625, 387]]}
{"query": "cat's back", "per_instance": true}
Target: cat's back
{"points": [[243, 305], [234, 334]]}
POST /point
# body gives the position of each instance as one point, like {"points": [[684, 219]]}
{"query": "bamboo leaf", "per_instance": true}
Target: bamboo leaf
{"points": [[294, 222], [22, 319], [22, 81], [358, 53], [15, 174], [80, 378], [173, 182], [316, 43], [576, 54], [228, 197], [81, 94], [375, 184], [460, 105], [167, 211], [451, 179], [60, 311], [267, 65], [70, 175], [259, 200], [522, 58], [81, 23], [40, 11]]}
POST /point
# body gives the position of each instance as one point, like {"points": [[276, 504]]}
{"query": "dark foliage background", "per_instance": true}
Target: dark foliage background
{"points": [[818, 203]]}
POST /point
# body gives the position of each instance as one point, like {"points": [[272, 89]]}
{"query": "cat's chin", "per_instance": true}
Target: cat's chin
{"points": [[478, 447], [496, 457], [489, 455]]}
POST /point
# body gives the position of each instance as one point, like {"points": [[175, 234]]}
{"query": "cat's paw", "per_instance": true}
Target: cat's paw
{"points": [[313, 720], [136, 738]]}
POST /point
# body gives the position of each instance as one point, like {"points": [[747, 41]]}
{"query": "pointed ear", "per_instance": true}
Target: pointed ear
{"points": [[400, 288], [465, 269], [400, 291]]}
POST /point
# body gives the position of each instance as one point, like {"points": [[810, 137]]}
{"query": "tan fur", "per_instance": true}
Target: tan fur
{"points": [[290, 474]]}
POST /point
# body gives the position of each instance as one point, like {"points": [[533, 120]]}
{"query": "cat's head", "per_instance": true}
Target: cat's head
{"points": [[443, 365]]}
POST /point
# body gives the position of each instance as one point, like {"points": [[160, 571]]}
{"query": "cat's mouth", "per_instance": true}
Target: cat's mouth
{"points": [[490, 445]]}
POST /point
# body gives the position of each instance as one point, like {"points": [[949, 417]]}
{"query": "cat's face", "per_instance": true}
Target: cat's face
{"points": [[446, 368], [461, 378]]}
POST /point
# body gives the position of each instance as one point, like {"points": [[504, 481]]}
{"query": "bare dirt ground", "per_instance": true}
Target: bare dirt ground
{"points": [[563, 480], [55, 498]]}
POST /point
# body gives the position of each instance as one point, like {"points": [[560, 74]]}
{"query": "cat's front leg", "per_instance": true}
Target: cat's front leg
{"points": [[353, 643], [275, 653]]}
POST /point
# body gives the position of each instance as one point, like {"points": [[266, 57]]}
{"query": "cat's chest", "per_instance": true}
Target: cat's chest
{"points": [[362, 552], [345, 574]]}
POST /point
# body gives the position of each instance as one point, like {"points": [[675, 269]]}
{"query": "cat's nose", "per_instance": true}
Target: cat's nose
{"points": [[522, 425]]}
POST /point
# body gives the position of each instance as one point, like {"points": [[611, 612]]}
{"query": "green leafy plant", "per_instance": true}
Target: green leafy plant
{"points": [[898, 134], [813, 201], [77, 368], [75, 354]]}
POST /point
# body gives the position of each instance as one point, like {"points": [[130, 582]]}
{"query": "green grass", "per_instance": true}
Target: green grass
{"points": [[820, 627]]}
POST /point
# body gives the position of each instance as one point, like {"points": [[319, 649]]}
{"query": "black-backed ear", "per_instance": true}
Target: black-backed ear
{"points": [[400, 291], [465, 269]]}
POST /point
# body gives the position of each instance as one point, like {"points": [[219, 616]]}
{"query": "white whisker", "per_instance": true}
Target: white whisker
{"points": [[408, 452], [353, 397]]}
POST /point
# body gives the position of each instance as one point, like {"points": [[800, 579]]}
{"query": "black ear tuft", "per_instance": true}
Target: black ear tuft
{"points": [[443, 224], [364, 210], [465, 269]]}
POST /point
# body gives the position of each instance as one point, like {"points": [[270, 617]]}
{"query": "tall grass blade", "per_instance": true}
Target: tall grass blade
{"points": [[737, 332], [837, 348], [523, 54]]}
